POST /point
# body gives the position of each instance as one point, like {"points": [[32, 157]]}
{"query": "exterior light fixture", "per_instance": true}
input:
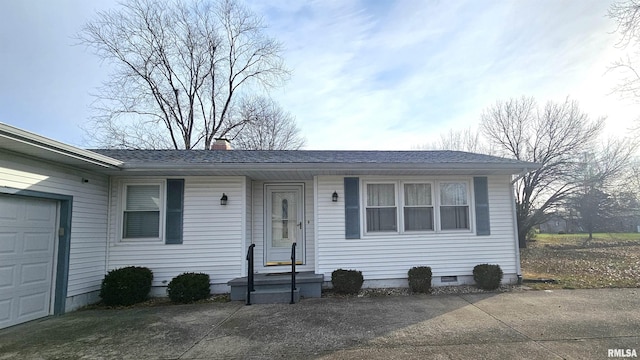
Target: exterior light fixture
{"points": [[334, 197], [223, 199]]}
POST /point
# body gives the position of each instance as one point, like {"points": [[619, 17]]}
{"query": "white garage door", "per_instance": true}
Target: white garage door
{"points": [[27, 246]]}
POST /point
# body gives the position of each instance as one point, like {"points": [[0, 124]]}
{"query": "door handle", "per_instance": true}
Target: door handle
{"points": [[300, 225]]}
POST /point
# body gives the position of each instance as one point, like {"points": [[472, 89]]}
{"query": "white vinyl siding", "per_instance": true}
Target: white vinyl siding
{"points": [[213, 234], [89, 212], [390, 255]]}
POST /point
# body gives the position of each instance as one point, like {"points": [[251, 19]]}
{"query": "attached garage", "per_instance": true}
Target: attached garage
{"points": [[53, 225], [28, 229]]}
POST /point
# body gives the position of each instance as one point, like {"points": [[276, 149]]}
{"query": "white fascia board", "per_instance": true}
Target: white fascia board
{"points": [[44, 143]]}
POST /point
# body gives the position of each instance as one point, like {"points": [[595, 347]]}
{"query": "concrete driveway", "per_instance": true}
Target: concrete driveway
{"points": [[566, 324]]}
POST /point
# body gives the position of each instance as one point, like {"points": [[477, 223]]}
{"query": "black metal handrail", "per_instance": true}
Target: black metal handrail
{"points": [[293, 271], [250, 287]]}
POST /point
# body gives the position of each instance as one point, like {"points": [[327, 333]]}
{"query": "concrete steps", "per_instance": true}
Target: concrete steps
{"points": [[274, 296], [276, 288]]}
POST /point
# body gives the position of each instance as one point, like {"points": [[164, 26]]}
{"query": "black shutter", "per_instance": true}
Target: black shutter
{"points": [[481, 190], [175, 207], [352, 208]]}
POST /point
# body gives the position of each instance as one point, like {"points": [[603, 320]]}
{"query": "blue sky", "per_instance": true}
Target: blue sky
{"points": [[366, 74]]}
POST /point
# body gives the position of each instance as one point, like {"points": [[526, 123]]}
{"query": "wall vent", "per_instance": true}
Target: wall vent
{"points": [[448, 279]]}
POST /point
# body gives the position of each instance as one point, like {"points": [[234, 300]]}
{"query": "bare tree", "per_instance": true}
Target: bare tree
{"points": [[627, 16], [267, 127], [179, 68], [632, 177], [554, 136], [468, 139]]}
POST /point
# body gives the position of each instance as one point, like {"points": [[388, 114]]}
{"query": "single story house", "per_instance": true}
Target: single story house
{"points": [[69, 215]]}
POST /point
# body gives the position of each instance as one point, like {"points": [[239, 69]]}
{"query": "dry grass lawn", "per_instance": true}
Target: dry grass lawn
{"points": [[609, 260]]}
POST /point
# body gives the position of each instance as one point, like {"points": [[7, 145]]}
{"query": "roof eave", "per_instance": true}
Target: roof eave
{"points": [[511, 168], [42, 143]]}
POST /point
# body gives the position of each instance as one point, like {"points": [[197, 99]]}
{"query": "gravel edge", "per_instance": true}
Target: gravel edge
{"points": [[440, 290]]}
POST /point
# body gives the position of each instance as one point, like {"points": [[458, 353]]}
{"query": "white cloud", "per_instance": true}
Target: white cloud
{"points": [[402, 74]]}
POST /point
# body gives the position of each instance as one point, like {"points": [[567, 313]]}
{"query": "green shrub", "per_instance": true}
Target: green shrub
{"points": [[347, 281], [126, 286], [487, 276], [420, 279], [189, 287]]}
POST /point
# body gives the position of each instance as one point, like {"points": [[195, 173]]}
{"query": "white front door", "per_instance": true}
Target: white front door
{"points": [[284, 220]]}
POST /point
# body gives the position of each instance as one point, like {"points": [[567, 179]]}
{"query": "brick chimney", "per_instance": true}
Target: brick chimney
{"points": [[221, 144]]}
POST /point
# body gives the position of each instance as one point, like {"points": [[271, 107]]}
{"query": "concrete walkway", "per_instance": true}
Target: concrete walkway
{"points": [[566, 324]]}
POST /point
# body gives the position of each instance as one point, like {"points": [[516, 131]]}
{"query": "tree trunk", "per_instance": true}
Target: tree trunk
{"points": [[522, 239]]}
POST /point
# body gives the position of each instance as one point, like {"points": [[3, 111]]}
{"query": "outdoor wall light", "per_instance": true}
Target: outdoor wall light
{"points": [[223, 199], [334, 197]]}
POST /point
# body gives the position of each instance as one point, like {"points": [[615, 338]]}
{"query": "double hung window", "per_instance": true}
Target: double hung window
{"points": [[141, 218], [381, 210], [418, 207], [153, 211], [454, 206]]}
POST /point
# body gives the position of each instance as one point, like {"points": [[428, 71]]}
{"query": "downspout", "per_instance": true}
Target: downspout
{"points": [[515, 230], [252, 214], [515, 222], [109, 217], [316, 240]]}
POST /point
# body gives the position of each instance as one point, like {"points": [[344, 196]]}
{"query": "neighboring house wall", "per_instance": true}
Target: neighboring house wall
{"points": [[89, 217], [384, 259], [554, 225], [212, 237], [258, 228]]}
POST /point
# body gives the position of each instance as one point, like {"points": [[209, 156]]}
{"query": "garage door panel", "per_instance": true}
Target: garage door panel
{"points": [[8, 243], [39, 211], [34, 242], [33, 306], [7, 276], [27, 247], [10, 211], [5, 311], [36, 274]]}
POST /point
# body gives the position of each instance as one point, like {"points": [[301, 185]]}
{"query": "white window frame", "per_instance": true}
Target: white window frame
{"points": [[162, 207], [403, 205], [470, 206], [365, 206]]}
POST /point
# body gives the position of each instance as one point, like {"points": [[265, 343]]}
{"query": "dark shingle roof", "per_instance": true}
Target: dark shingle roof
{"points": [[194, 157]]}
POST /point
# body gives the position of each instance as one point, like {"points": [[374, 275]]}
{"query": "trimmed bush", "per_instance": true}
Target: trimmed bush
{"points": [[347, 281], [420, 279], [189, 287], [487, 276], [126, 286]]}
